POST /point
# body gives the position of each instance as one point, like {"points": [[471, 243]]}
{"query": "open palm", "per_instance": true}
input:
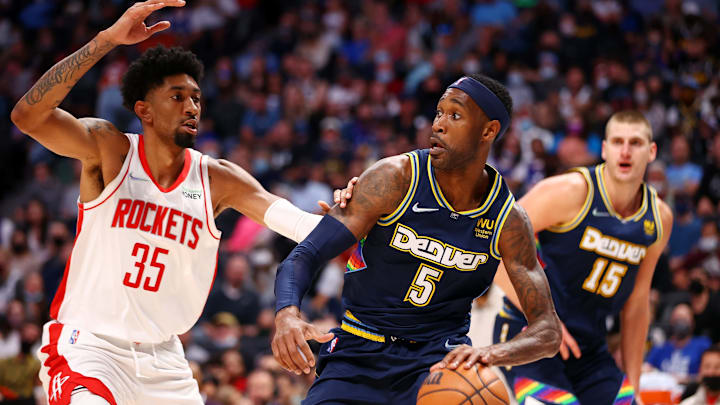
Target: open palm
{"points": [[130, 28]]}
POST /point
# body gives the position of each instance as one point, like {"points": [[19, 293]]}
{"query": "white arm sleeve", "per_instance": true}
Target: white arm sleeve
{"points": [[289, 220]]}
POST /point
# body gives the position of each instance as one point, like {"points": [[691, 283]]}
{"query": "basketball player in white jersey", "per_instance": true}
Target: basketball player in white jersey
{"points": [[145, 255]]}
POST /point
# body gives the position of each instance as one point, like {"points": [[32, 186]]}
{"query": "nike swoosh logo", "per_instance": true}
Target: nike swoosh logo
{"points": [[415, 208], [450, 347], [597, 213], [138, 178]]}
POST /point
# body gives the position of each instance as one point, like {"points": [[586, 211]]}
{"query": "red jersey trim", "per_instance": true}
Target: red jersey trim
{"points": [[63, 379], [181, 177], [60, 294], [205, 204], [127, 170]]}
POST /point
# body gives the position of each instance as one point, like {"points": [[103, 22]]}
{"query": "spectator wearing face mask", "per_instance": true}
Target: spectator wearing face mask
{"points": [[705, 304], [709, 391], [680, 355]]}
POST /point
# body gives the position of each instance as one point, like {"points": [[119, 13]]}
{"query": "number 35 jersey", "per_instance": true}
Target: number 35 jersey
{"points": [[144, 257], [419, 268], [591, 262]]}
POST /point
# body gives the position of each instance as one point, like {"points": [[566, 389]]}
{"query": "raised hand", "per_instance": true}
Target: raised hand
{"points": [[130, 28]]}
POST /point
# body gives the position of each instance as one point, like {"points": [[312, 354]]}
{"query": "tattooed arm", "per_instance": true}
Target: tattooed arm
{"points": [[37, 113], [542, 336]]}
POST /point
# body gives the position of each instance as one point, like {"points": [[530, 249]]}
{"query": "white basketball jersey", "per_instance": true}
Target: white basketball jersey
{"points": [[145, 257]]}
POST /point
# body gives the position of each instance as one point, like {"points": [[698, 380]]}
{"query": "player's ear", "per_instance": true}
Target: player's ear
{"points": [[143, 111], [602, 150], [653, 151], [491, 130]]}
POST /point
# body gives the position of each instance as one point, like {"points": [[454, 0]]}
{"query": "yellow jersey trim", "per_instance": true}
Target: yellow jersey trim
{"points": [[474, 213], [608, 204], [656, 213], [400, 210], [366, 334], [580, 216], [362, 333], [494, 250]]}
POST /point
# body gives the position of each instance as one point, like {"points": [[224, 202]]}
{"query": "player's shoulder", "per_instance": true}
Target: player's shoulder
{"points": [[103, 129], [573, 186], [397, 167], [666, 214]]}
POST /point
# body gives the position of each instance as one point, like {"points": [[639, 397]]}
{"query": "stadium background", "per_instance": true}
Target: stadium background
{"points": [[306, 94]]}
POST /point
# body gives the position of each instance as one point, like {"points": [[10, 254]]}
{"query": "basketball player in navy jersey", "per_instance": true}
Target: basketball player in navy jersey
{"points": [[429, 227], [601, 231], [144, 258]]}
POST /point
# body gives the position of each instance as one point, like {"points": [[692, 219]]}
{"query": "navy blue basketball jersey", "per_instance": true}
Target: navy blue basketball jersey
{"points": [[591, 262], [419, 268]]}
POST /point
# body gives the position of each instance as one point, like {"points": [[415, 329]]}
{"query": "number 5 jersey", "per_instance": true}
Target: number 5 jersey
{"points": [[145, 256]]}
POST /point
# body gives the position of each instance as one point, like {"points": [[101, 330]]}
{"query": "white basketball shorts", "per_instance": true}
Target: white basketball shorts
{"points": [[119, 371]]}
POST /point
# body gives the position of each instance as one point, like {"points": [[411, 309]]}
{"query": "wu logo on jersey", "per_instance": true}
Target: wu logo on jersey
{"points": [[56, 386], [484, 228]]}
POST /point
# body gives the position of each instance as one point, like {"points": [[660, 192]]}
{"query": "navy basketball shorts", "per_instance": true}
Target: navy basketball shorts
{"points": [[592, 379], [369, 368]]}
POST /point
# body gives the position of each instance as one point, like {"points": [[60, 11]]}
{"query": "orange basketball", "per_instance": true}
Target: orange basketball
{"points": [[477, 386]]}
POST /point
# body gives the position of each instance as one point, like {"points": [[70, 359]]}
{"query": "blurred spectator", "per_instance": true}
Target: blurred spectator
{"points": [[709, 390], [18, 373], [705, 304], [234, 294], [683, 175], [261, 388], [686, 228], [680, 355]]}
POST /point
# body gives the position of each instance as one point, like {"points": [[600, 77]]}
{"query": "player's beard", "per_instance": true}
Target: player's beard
{"points": [[184, 140]]}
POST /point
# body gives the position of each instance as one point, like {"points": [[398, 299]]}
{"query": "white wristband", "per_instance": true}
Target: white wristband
{"points": [[289, 220]]}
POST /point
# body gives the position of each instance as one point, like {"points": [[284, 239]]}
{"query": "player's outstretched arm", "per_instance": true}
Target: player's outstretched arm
{"points": [[378, 192], [635, 316], [37, 113]]}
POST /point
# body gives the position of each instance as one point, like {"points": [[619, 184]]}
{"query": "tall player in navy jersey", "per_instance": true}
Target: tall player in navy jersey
{"points": [[601, 231], [432, 226]]}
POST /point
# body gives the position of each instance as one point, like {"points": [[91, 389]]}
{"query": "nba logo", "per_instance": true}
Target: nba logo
{"points": [[332, 345], [454, 215], [74, 336]]}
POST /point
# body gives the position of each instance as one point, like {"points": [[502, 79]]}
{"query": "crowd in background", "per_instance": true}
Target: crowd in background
{"points": [[306, 94]]}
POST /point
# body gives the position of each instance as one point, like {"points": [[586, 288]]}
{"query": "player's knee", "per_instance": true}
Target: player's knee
{"points": [[86, 397]]}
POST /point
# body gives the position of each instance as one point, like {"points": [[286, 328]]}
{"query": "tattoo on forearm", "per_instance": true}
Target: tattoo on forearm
{"points": [[64, 72], [521, 263], [520, 257]]}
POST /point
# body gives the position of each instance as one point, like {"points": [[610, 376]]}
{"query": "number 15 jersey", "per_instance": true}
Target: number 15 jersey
{"points": [[145, 256], [591, 262]]}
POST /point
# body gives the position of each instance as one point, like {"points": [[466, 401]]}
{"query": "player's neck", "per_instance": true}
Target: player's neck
{"points": [[164, 160], [455, 184], [625, 197]]}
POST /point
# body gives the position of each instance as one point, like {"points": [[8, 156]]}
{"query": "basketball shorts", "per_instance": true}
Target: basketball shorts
{"points": [[362, 366], [592, 379], [72, 358]]}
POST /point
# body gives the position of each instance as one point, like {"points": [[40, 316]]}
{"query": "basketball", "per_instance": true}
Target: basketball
{"points": [[477, 386]]}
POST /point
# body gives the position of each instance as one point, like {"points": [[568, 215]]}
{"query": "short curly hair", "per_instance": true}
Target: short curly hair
{"points": [[152, 67]]}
